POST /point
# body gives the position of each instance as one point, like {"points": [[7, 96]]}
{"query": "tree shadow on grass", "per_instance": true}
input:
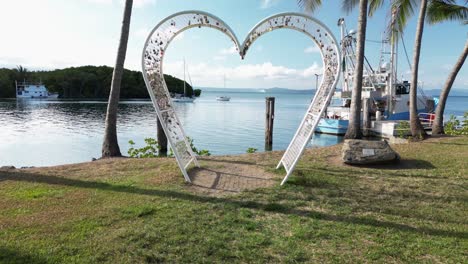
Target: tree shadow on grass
{"points": [[9, 255], [356, 173], [270, 207]]}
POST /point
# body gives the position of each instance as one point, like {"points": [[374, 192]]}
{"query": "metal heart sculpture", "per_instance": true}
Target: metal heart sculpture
{"points": [[162, 35]]}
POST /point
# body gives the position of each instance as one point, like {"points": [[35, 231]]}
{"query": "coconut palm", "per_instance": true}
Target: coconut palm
{"points": [[439, 10], [365, 6], [110, 145], [21, 73], [438, 126]]}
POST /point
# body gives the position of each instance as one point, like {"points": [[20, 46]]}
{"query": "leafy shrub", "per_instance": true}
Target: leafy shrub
{"points": [[403, 129], [251, 150], [455, 127], [151, 149], [201, 152]]}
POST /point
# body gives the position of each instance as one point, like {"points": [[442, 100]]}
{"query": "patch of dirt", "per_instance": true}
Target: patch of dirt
{"points": [[222, 175]]}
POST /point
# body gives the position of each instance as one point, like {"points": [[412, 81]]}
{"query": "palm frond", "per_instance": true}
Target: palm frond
{"points": [[309, 6], [402, 11], [374, 5], [446, 10], [349, 5]]}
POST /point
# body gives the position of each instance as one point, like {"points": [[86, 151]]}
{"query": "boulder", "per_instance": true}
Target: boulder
{"points": [[7, 168], [359, 152]]}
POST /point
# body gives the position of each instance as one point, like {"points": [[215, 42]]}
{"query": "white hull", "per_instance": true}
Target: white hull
{"points": [[223, 98], [33, 91]]}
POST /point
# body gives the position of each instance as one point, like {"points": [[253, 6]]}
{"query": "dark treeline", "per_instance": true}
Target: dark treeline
{"points": [[85, 82]]}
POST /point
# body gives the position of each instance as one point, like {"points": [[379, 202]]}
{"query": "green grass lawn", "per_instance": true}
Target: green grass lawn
{"points": [[133, 211]]}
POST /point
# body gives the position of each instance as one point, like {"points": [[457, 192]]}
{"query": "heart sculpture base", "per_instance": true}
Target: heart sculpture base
{"points": [[162, 35]]}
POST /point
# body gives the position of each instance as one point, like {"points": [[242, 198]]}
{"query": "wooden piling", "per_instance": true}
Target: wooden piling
{"points": [[269, 118], [162, 139], [366, 120]]}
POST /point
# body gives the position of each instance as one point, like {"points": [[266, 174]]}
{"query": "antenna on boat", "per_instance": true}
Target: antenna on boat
{"points": [[184, 77]]}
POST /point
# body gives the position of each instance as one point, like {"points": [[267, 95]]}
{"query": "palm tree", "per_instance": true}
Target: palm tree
{"points": [[110, 145], [354, 127], [21, 73], [417, 130], [438, 126], [439, 11]]}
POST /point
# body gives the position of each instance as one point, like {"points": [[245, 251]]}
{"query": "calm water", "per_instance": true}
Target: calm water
{"points": [[41, 133]]}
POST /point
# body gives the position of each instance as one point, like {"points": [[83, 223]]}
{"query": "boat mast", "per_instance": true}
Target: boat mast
{"points": [[341, 23], [393, 66], [184, 78]]}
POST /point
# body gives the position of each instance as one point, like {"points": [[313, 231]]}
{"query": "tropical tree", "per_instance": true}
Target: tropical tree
{"points": [[439, 10], [438, 126], [365, 6], [21, 73], [110, 145]]}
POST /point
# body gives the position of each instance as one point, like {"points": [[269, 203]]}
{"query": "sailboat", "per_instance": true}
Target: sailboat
{"points": [[182, 98], [223, 98]]}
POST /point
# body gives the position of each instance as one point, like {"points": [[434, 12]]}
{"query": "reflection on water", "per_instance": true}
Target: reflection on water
{"points": [[39, 133]]}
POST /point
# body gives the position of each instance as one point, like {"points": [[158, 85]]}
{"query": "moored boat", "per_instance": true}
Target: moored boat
{"points": [[223, 98], [25, 90], [388, 96], [182, 98]]}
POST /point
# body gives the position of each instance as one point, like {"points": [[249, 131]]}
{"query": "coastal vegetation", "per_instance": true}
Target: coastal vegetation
{"points": [[455, 126], [152, 149], [141, 211], [90, 82]]}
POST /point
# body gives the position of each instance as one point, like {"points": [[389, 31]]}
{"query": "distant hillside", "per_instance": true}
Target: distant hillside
{"points": [[453, 92], [85, 82], [254, 90]]}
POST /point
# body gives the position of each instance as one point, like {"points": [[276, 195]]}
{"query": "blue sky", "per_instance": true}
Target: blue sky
{"points": [[50, 34]]}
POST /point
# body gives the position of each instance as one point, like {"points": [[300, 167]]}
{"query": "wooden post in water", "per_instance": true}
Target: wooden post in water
{"points": [[366, 121], [269, 117], [162, 139]]}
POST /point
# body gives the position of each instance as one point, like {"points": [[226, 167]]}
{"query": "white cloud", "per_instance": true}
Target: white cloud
{"points": [[143, 3], [219, 58], [265, 4], [312, 49], [247, 75], [136, 3], [142, 33], [231, 50]]}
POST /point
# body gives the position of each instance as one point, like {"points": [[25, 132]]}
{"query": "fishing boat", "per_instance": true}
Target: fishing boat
{"points": [[223, 97], [389, 96], [25, 90], [182, 98]]}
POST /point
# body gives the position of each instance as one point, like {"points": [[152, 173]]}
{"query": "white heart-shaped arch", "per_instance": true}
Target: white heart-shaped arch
{"points": [[162, 35]]}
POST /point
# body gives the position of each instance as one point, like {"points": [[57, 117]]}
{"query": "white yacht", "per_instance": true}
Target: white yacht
{"points": [[182, 98], [223, 98], [33, 91]]}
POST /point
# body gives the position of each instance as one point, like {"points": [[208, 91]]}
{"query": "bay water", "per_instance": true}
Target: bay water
{"points": [[45, 132]]}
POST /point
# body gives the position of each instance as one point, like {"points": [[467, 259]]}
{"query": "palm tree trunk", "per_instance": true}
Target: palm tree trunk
{"points": [[417, 130], [162, 139], [354, 126], [438, 126], [110, 145]]}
